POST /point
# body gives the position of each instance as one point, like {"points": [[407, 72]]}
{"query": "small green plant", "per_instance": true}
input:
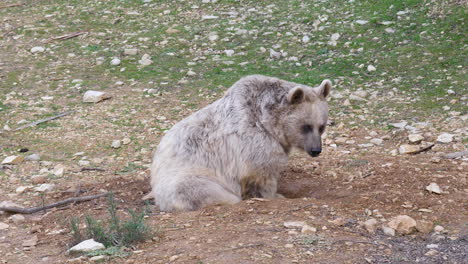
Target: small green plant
{"points": [[113, 232]]}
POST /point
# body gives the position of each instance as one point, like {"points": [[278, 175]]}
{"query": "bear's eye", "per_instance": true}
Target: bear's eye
{"points": [[321, 129], [306, 129]]}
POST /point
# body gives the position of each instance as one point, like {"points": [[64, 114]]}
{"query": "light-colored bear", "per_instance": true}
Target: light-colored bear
{"points": [[236, 147]]}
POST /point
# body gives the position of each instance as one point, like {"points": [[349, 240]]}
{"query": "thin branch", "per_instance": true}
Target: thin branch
{"points": [[44, 120], [11, 5], [422, 150], [67, 36], [91, 169], [52, 205], [455, 155]]}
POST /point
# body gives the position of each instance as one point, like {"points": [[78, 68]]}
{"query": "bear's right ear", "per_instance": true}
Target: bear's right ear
{"points": [[296, 95], [324, 88]]}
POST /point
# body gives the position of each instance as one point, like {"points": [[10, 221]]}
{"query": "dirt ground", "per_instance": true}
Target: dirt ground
{"points": [[318, 191]]}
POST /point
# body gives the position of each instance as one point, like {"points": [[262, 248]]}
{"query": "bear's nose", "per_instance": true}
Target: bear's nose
{"points": [[315, 152]]}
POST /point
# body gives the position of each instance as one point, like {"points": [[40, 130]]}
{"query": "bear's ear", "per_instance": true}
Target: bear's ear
{"points": [[296, 95], [324, 88]]}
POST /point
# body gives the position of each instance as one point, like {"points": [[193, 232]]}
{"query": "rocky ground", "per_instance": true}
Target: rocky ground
{"points": [[390, 187]]}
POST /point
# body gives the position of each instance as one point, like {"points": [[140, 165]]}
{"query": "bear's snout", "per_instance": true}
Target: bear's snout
{"points": [[315, 152]]}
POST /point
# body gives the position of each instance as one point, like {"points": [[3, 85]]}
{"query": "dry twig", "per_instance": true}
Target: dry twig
{"points": [[11, 5], [52, 205], [67, 36], [422, 150], [44, 120]]}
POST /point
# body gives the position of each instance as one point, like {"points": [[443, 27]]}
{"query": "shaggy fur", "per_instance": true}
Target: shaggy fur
{"points": [[236, 147]]}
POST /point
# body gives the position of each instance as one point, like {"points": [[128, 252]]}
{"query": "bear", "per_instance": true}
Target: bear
{"points": [[236, 147]]}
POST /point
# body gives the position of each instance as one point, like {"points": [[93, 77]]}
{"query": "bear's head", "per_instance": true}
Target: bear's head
{"points": [[307, 116]]}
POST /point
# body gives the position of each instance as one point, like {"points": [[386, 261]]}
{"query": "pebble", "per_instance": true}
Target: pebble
{"points": [[94, 96], [21, 189], [371, 68], [390, 30], [294, 224], [376, 141], [415, 138], [356, 98], [403, 224], [86, 246], [37, 49], [361, 93], [130, 51], [145, 60], [84, 163], [431, 252], [408, 149], [4, 226], [191, 73], [173, 258], [289, 246], [438, 228], [433, 188], [116, 144], [400, 125], [388, 231], [59, 170], [17, 218], [275, 54], [33, 157], [424, 226], [432, 246], [305, 39], [172, 31], [12, 160], [30, 242], [229, 52], [362, 22], [338, 221], [97, 258], [115, 62], [445, 138], [371, 225], [45, 187], [213, 36], [126, 141]]}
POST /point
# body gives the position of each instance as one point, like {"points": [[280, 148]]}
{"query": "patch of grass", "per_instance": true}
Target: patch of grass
{"points": [[130, 168], [114, 231]]}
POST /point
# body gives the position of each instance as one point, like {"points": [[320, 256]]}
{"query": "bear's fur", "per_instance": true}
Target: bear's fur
{"points": [[236, 147]]}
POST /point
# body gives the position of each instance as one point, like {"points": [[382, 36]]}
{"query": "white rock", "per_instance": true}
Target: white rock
{"points": [[388, 231], [305, 39], [86, 246], [37, 49], [445, 138], [432, 246], [408, 149], [274, 54], [97, 258], [17, 218], [116, 144], [362, 22], [130, 51], [333, 39], [376, 141], [145, 60], [431, 252], [22, 189], [438, 228], [229, 52], [361, 93], [356, 98], [12, 160], [307, 229], [126, 141], [371, 68], [294, 224], [45, 187], [84, 163], [415, 138], [390, 30], [115, 62], [4, 226], [213, 36], [94, 96], [434, 188], [59, 170], [209, 17], [400, 125], [33, 157], [119, 83], [191, 73]]}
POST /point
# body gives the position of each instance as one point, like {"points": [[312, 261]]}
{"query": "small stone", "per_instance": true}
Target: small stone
{"points": [[116, 144], [445, 138], [376, 141], [403, 224], [119, 83], [38, 179], [33, 157], [400, 125], [86, 246], [338, 221], [289, 246], [431, 253], [424, 226], [17, 218], [94, 96], [294, 224], [371, 225], [438, 228], [229, 52], [213, 36], [362, 22], [12, 160], [356, 98], [415, 138], [130, 51], [390, 30], [408, 149], [4, 226], [209, 17], [191, 73], [275, 54], [432, 246], [21, 189], [361, 93], [37, 49], [388, 231], [145, 60], [306, 229], [434, 188], [115, 62], [126, 141], [172, 31], [45, 187], [30, 242], [59, 170], [173, 258], [371, 68], [305, 39], [84, 163]]}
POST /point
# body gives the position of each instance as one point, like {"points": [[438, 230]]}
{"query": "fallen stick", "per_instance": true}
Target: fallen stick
{"points": [[11, 5], [67, 36], [44, 120], [52, 205], [422, 150]]}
